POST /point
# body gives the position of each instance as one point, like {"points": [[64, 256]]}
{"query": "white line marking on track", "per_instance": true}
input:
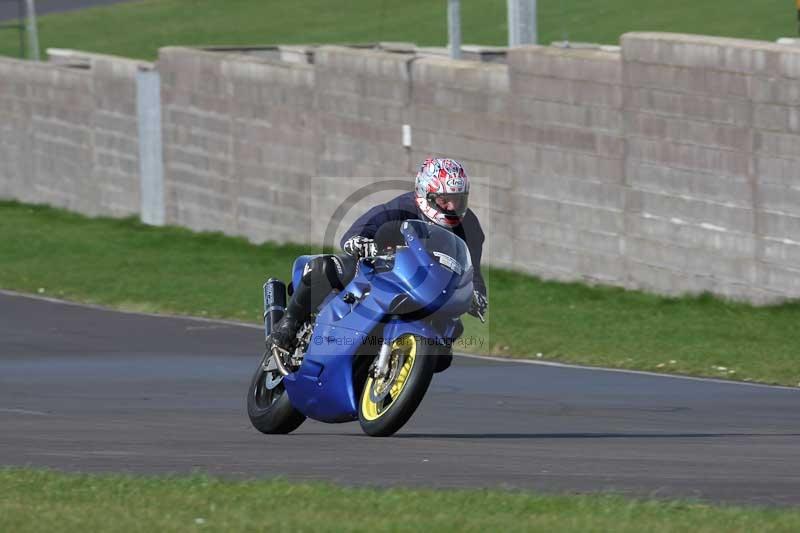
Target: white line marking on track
{"points": [[23, 412], [123, 311], [472, 356], [624, 371]]}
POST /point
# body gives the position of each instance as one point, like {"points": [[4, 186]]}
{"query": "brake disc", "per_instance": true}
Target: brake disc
{"points": [[381, 387]]}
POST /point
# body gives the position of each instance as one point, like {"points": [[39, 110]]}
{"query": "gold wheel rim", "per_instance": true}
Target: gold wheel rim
{"points": [[405, 345]]}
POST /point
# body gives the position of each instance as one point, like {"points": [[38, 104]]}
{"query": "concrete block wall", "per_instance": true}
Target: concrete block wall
{"points": [[688, 116], [68, 135], [239, 143], [115, 170], [196, 105], [47, 135], [361, 101], [567, 159], [16, 163], [275, 139], [711, 165], [362, 98], [460, 109], [776, 162]]}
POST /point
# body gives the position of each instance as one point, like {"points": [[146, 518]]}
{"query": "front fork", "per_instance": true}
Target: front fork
{"points": [[382, 364]]}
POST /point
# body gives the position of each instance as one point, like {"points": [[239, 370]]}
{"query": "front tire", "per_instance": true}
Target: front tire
{"points": [[386, 405], [269, 409]]}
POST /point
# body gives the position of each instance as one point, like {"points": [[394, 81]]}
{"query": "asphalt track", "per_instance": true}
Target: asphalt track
{"points": [[91, 390], [9, 9]]}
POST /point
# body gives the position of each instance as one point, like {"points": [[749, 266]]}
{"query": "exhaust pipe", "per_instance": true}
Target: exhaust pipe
{"points": [[274, 303], [274, 307]]}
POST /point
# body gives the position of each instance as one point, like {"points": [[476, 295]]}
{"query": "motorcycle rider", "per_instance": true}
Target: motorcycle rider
{"points": [[440, 196]]}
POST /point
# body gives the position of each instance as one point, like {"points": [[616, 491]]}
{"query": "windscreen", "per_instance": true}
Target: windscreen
{"points": [[448, 249]]}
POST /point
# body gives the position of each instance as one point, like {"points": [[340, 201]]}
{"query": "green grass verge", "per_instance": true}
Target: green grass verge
{"points": [[150, 24], [124, 264], [32, 500]]}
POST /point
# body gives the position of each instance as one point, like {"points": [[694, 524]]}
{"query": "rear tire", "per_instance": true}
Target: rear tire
{"points": [[384, 417], [270, 410]]}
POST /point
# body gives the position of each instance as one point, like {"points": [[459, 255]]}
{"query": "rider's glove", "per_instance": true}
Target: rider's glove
{"points": [[479, 305], [360, 247]]}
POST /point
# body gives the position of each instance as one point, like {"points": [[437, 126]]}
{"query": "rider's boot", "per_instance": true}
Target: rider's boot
{"points": [[284, 333]]}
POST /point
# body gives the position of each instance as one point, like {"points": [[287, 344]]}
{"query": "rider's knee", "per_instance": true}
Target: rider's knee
{"points": [[324, 269]]}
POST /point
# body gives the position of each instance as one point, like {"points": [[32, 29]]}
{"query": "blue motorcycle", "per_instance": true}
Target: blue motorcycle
{"points": [[370, 350]]}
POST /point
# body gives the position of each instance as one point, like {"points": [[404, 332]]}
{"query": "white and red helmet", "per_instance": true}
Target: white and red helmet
{"points": [[442, 191]]}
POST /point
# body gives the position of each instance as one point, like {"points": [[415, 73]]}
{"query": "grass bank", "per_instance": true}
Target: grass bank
{"points": [[33, 500], [138, 29], [124, 264]]}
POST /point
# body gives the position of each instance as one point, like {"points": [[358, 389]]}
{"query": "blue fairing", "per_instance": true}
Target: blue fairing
{"points": [[417, 293]]}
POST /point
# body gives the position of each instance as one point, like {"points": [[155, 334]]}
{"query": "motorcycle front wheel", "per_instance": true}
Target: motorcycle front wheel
{"points": [[268, 405], [388, 403]]}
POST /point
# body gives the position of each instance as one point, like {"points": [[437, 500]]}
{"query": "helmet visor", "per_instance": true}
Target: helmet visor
{"points": [[454, 205]]}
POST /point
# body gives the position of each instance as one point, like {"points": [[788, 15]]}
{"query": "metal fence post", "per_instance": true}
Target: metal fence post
{"points": [[454, 27], [522, 27], [151, 163], [33, 33]]}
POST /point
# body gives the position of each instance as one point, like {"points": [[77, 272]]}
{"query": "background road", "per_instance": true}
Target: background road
{"points": [[9, 9], [91, 390]]}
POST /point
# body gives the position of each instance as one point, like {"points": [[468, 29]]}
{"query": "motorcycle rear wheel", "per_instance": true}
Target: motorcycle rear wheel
{"points": [[270, 410], [386, 405]]}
